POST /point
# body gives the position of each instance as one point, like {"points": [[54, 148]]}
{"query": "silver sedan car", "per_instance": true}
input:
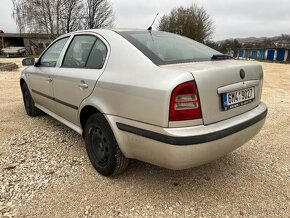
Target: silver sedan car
{"points": [[147, 95]]}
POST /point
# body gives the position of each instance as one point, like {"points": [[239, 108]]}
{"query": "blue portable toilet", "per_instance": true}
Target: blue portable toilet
{"points": [[254, 54], [262, 55], [241, 53], [270, 55], [280, 55]]}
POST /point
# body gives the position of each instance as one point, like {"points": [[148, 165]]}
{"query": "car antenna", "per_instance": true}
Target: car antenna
{"points": [[150, 28]]}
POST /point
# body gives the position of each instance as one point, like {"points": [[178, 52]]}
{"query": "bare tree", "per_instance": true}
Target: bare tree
{"points": [[71, 15], [227, 45], [193, 22], [18, 15], [35, 15], [55, 17], [98, 14]]}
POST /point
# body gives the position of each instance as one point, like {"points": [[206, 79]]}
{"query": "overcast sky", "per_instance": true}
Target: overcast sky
{"points": [[232, 18]]}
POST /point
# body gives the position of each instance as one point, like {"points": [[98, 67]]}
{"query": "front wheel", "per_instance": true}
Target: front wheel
{"points": [[102, 147], [30, 108]]}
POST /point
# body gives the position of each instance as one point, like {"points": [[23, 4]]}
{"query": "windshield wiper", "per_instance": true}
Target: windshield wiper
{"points": [[221, 57]]}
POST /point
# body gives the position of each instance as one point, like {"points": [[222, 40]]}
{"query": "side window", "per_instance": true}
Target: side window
{"points": [[98, 55], [78, 51], [50, 57]]}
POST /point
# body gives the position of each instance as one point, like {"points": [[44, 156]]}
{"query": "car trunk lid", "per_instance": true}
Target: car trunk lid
{"points": [[215, 79]]}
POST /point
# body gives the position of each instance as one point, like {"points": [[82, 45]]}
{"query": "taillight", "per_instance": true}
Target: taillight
{"points": [[184, 102]]}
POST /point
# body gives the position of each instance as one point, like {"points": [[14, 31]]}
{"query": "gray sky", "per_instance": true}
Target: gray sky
{"points": [[232, 18]]}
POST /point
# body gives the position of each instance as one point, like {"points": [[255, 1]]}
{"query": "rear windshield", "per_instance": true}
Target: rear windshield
{"points": [[167, 48]]}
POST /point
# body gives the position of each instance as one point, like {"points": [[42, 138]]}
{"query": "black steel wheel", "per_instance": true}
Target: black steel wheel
{"points": [[102, 147], [30, 108]]}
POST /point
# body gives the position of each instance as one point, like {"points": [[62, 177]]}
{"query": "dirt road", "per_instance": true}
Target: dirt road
{"points": [[44, 170]]}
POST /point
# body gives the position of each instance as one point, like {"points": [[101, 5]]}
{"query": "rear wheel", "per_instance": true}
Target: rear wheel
{"points": [[102, 147], [30, 108]]}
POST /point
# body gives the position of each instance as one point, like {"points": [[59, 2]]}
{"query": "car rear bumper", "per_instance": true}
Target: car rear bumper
{"points": [[181, 148]]}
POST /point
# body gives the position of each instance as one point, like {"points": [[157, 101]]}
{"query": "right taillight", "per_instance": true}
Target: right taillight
{"points": [[184, 102]]}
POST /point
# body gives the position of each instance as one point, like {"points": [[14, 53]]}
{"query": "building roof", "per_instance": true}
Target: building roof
{"points": [[26, 35], [268, 48]]}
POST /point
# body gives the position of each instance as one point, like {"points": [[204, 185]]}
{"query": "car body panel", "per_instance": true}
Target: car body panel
{"points": [[40, 79], [148, 100], [79, 81], [69, 91], [211, 76], [131, 90], [173, 156], [148, 85]]}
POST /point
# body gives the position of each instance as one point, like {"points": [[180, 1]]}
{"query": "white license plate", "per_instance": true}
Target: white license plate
{"points": [[238, 98]]}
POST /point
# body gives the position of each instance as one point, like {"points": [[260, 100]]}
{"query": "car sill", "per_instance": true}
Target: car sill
{"points": [[60, 119]]}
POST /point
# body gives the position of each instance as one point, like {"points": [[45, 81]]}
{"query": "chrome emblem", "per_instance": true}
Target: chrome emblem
{"points": [[242, 74]]}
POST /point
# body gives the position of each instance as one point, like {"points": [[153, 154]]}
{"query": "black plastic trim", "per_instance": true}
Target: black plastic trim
{"points": [[55, 99], [191, 140]]}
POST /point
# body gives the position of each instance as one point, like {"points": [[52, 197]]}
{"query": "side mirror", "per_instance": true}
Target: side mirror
{"points": [[28, 61]]}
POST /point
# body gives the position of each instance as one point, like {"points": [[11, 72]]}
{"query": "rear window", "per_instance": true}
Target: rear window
{"points": [[167, 48]]}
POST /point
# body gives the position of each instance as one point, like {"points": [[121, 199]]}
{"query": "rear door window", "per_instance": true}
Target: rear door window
{"points": [[79, 51], [98, 55]]}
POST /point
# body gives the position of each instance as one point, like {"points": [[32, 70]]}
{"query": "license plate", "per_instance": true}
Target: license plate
{"points": [[238, 98]]}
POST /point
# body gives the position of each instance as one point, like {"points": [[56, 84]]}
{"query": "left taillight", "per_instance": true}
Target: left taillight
{"points": [[185, 103]]}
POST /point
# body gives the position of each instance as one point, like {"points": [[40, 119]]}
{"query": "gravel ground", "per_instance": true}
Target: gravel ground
{"points": [[45, 171]]}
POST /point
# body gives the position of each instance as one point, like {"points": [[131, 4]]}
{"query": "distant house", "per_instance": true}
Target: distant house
{"points": [[34, 43], [271, 49], [271, 54]]}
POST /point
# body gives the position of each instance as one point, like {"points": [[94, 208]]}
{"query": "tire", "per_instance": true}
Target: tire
{"points": [[102, 147], [30, 108]]}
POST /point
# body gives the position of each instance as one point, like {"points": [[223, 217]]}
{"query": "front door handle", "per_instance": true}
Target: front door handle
{"points": [[83, 85]]}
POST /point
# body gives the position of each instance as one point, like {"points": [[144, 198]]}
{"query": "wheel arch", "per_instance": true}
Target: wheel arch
{"points": [[88, 109], [22, 81], [85, 113]]}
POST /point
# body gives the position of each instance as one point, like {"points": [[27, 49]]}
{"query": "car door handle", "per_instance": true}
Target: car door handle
{"points": [[49, 79], [83, 85]]}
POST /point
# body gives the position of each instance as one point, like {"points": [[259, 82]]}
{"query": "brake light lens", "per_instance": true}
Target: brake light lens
{"points": [[184, 102]]}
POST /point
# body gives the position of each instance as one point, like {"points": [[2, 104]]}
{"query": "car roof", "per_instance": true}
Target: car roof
{"points": [[128, 30], [100, 31], [113, 29]]}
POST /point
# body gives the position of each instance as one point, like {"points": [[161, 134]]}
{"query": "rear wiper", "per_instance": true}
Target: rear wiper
{"points": [[221, 57]]}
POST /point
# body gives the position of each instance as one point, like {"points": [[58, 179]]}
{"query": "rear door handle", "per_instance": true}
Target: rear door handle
{"points": [[83, 85], [49, 79]]}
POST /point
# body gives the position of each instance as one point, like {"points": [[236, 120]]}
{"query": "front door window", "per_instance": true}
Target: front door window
{"points": [[51, 55]]}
